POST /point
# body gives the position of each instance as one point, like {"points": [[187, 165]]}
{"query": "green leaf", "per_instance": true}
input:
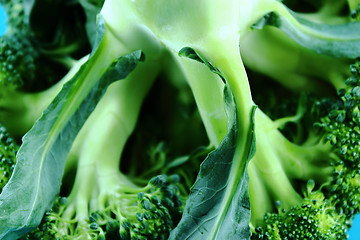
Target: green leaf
{"points": [[341, 40], [40, 162], [216, 209]]}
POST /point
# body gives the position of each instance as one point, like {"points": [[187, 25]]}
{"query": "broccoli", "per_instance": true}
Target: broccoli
{"points": [[273, 90], [315, 217], [8, 150]]}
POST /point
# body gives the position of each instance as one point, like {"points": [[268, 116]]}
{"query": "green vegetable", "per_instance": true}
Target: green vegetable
{"points": [[8, 150], [258, 139]]}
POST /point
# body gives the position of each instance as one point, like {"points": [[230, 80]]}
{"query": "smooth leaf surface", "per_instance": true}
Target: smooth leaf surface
{"points": [[40, 162], [208, 208], [341, 40]]}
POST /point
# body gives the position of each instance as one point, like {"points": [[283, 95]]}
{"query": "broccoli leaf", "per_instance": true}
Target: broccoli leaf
{"points": [[342, 40], [216, 209], [40, 162]]}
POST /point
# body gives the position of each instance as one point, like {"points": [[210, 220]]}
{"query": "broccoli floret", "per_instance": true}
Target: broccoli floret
{"points": [[25, 64], [149, 212], [344, 190], [315, 217], [8, 150], [17, 56]]}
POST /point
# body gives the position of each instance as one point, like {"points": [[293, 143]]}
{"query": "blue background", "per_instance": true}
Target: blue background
{"points": [[2, 21], [354, 232]]}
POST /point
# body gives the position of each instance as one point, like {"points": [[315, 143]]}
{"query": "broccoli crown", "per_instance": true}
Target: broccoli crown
{"points": [[8, 150], [314, 218], [145, 213]]}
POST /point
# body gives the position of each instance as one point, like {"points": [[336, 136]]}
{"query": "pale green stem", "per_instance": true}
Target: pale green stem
{"points": [[104, 135], [207, 89], [298, 161], [259, 197]]}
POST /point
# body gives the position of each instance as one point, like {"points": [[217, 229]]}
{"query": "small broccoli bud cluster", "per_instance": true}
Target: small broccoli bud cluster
{"points": [[315, 218], [8, 150], [17, 57], [154, 214], [342, 123], [17, 53], [344, 191], [47, 230], [24, 64]]}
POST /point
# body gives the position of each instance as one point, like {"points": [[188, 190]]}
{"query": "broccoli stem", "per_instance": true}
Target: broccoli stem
{"points": [[201, 82], [19, 110], [299, 161], [258, 189]]}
